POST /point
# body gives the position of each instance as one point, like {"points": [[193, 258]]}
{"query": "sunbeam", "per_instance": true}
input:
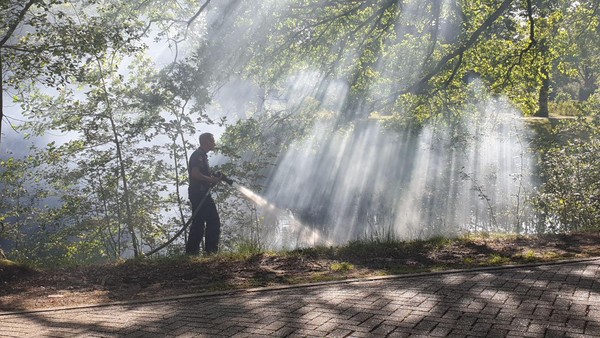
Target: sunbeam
{"points": [[367, 181]]}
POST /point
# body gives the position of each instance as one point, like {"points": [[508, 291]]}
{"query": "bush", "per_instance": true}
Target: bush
{"points": [[569, 198], [565, 108]]}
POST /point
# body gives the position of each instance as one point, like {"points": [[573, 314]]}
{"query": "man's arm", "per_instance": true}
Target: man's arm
{"points": [[198, 176]]}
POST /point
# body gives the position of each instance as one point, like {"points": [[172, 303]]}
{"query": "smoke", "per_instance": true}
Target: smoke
{"points": [[439, 179], [469, 172], [337, 184]]}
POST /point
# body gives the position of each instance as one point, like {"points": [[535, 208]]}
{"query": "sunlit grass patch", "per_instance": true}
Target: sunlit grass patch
{"points": [[551, 255], [529, 256], [342, 266], [489, 236], [8, 263], [496, 259], [248, 248], [532, 256], [469, 261], [317, 278]]}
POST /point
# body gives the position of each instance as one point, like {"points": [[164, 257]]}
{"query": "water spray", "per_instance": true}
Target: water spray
{"points": [[256, 198], [297, 228]]}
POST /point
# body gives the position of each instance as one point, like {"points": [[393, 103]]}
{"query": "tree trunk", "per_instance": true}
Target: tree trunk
{"points": [[544, 92], [588, 85], [130, 227], [544, 95], [9, 32], [177, 188], [1, 97], [185, 157], [120, 163]]}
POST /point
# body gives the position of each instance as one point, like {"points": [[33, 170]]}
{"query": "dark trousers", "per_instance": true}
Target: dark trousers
{"points": [[206, 224]]}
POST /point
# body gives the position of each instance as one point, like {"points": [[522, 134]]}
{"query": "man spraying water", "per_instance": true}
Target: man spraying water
{"points": [[205, 218], [206, 223]]}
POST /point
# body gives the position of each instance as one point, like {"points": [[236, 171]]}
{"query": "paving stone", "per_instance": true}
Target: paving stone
{"points": [[543, 301]]}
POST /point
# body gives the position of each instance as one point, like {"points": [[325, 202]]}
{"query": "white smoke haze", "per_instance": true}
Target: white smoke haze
{"points": [[369, 182], [365, 181]]}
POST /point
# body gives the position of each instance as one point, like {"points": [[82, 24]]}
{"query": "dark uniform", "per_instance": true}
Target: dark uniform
{"points": [[208, 214]]}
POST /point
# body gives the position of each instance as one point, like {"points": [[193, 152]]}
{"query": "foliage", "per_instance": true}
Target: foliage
{"points": [[82, 68], [517, 48], [58, 37], [568, 198], [111, 177]]}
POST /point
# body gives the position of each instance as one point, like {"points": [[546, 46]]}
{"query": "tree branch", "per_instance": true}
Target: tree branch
{"points": [[195, 16], [14, 26], [532, 42], [7, 36], [594, 12], [419, 86]]}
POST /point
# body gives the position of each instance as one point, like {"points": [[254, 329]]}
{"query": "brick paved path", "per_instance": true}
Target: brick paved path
{"points": [[545, 301]]}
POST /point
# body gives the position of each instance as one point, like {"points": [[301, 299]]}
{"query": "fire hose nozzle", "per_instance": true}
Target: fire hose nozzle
{"points": [[224, 178]]}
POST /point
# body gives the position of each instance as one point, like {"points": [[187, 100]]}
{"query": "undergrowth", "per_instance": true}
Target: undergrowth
{"points": [[358, 250]]}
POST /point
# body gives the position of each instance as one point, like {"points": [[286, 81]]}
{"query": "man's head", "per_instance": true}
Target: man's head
{"points": [[207, 142]]}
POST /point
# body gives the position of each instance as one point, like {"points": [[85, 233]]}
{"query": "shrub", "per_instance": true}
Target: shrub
{"points": [[569, 198]]}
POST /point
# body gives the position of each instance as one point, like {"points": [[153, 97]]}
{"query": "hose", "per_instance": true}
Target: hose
{"points": [[185, 226]]}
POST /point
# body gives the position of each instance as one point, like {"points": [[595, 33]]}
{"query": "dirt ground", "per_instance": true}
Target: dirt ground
{"points": [[140, 279]]}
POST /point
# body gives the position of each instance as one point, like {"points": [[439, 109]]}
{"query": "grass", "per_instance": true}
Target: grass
{"points": [[360, 249], [342, 267], [529, 256], [157, 277], [252, 268], [496, 259]]}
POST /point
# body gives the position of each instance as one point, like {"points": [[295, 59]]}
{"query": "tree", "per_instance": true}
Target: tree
{"points": [[577, 68], [308, 60], [401, 56], [16, 17], [114, 156], [46, 42], [568, 198]]}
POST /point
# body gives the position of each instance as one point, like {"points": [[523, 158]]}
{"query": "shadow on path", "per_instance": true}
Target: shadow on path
{"points": [[547, 300]]}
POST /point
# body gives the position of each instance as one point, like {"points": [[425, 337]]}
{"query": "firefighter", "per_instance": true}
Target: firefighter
{"points": [[206, 224]]}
